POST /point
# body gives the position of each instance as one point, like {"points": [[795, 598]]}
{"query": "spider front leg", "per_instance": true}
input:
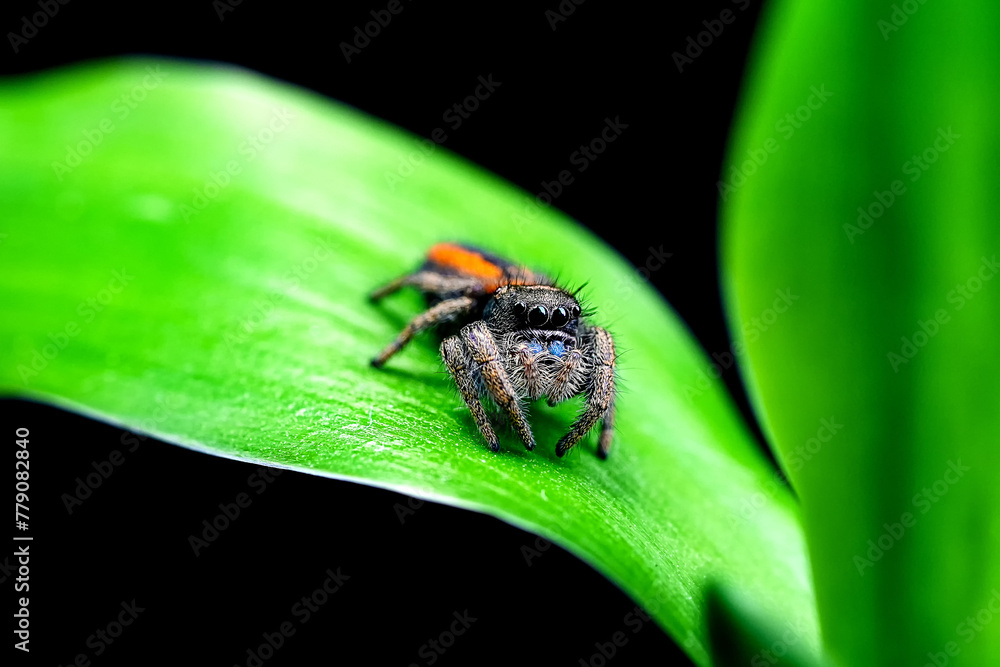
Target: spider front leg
{"points": [[483, 350], [457, 362], [600, 397], [527, 374], [442, 312], [570, 376]]}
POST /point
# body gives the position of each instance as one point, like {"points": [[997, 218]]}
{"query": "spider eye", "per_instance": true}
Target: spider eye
{"points": [[520, 308], [576, 311], [559, 317], [538, 316]]}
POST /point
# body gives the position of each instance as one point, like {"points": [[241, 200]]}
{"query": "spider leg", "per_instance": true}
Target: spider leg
{"points": [[483, 350], [457, 362], [530, 375], [428, 281], [607, 430], [600, 395], [567, 380], [441, 312]]}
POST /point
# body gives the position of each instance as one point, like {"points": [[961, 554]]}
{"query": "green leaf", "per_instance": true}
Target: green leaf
{"points": [[740, 635], [201, 272], [877, 206]]}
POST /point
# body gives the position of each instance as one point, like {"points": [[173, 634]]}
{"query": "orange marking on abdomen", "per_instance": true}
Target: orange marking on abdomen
{"points": [[466, 262]]}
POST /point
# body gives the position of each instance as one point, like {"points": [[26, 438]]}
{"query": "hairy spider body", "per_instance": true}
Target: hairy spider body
{"points": [[515, 337]]}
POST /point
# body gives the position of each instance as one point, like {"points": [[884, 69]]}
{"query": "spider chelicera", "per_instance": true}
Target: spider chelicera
{"points": [[519, 337]]}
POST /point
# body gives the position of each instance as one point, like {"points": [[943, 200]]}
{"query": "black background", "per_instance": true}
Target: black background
{"points": [[655, 186]]}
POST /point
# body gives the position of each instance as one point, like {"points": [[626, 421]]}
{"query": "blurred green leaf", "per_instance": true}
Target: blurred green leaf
{"points": [[188, 253], [862, 178], [741, 635]]}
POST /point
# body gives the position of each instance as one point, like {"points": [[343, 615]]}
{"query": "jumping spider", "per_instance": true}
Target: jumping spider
{"points": [[520, 338]]}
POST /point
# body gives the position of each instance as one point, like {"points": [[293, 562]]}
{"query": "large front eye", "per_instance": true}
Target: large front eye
{"points": [[559, 317], [538, 316]]}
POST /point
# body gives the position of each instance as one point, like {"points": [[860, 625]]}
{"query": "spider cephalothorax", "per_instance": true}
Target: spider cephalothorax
{"points": [[522, 339]]}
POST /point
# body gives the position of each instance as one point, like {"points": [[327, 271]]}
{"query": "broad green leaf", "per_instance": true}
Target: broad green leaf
{"points": [[863, 178], [188, 251]]}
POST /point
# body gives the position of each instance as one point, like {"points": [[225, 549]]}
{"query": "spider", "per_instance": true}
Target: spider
{"points": [[518, 337]]}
